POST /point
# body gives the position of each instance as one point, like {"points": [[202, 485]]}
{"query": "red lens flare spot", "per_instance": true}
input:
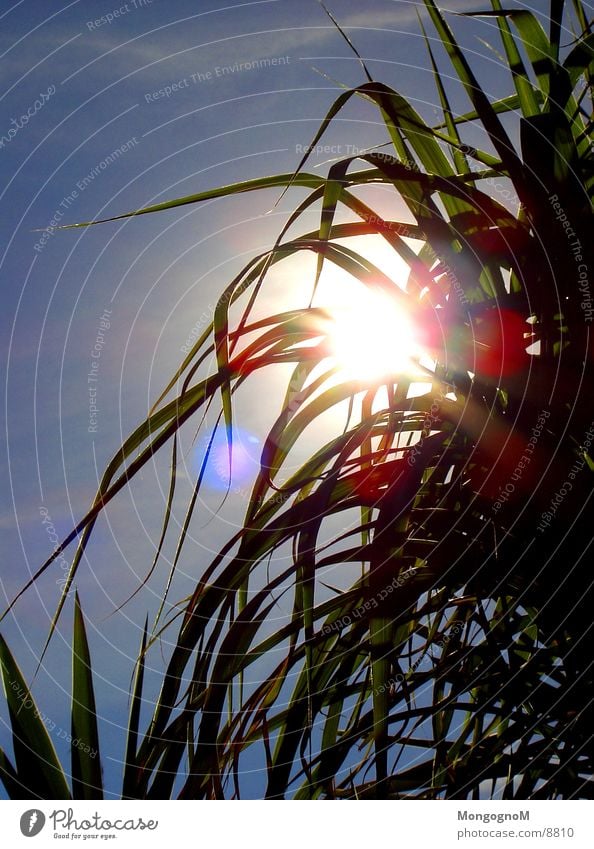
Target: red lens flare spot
{"points": [[499, 343]]}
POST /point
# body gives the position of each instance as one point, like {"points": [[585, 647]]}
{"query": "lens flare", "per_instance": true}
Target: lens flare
{"points": [[245, 459], [371, 337]]}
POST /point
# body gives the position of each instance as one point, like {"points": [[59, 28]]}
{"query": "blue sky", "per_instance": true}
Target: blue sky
{"points": [[110, 107]]}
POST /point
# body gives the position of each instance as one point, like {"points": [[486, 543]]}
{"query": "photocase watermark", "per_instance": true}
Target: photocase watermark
{"points": [[24, 119], [377, 222], [326, 149], [46, 521], [68, 200], [112, 16], [207, 316], [429, 423], [354, 150], [565, 223], [380, 225], [27, 702], [351, 150], [584, 287], [523, 462], [86, 181], [500, 187], [577, 253], [196, 331], [395, 681], [468, 833], [559, 497], [93, 375], [64, 819], [370, 604], [215, 73], [502, 190], [450, 275], [32, 822]]}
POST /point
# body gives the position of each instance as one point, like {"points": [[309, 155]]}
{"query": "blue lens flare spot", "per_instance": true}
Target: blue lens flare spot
{"points": [[245, 459]]}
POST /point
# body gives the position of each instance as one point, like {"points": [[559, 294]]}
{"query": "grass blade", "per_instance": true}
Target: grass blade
{"points": [[86, 760], [131, 766], [36, 761], [9, 778]]}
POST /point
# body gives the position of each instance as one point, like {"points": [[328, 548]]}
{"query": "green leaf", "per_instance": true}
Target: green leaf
{"points": [[131, 765], [311, 181], [534, 39], [479, 99], [86, 760], [580, 59], [511, 103], [9, 778], [36, 762], [527, 97], [459, 157]]}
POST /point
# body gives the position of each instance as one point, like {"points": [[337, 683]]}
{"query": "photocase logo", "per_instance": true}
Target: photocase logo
{"points": [[32, 822]]}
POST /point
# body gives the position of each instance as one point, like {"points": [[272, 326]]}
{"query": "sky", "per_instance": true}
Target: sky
{"points": [[107, 108]]}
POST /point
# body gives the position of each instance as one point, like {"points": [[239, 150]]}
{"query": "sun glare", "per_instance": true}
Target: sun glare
{"points": [[371, 337]]}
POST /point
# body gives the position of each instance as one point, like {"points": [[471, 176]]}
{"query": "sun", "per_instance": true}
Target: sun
{"points": [[371, 337], [370, 333]]}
